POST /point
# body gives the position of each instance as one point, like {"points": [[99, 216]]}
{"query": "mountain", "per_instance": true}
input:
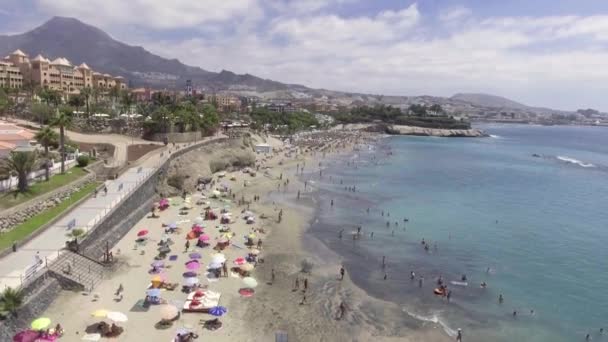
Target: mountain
{"points": [[486, 100], [79, 42]]}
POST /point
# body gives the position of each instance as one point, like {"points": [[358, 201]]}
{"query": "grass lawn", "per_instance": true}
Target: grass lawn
{"points": [[28, 227], [14, 198]]}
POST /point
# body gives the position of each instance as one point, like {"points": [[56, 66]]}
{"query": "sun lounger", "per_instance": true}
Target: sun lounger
{"points": [[205, 294], [191, 306]]}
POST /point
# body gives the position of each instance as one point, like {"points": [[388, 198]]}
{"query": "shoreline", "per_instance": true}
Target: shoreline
{"points": [[328, 291], [274, 307]]}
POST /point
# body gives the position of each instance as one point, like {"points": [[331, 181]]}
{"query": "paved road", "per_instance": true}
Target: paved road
{"points": [[14, 266]]}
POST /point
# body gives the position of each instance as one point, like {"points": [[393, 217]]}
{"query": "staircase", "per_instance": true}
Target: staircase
{"points": [[77, 271]]}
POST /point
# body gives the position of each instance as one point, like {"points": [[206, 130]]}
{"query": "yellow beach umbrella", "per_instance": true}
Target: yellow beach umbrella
{"points": [[251, 236], [99, 313], [41, 323]]}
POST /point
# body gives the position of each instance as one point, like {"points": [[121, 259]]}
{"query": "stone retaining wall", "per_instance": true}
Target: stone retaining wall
{"points": [[176, 137], [42, 291], [12, 217], [39, 295]]}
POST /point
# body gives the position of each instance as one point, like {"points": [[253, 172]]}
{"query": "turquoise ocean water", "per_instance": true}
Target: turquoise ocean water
{"points": [[540, 223]]}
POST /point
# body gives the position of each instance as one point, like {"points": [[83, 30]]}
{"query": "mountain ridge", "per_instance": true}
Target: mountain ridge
{"points": [[81, 42]]}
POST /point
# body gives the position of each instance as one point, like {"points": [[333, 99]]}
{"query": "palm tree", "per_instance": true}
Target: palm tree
{"points": [[114, 94], [95, 93], [63, 120], [86, 93], [11, 299], [46, 137], [22, 163], [127, 101]]}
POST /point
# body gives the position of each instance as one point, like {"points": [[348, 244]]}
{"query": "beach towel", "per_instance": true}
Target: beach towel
{"points": [[91, 337], [173, 257]]}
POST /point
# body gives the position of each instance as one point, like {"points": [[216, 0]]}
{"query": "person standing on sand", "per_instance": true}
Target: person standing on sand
{"points": [[342, 273], [187, 245], [459, 335], [341, 310], [225, 269], [305, 284]]}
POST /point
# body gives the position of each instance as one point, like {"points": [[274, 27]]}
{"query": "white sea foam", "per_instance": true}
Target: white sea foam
{"points": [[495, 136], [574, 161], [433, 318]]}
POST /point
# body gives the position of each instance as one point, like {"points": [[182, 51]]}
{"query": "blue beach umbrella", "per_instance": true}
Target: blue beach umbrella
{"points": [[158, 264], [218, 311], [195, 256]]}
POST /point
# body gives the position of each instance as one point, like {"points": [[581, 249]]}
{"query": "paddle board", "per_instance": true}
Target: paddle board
{"points": [[459, 283]]}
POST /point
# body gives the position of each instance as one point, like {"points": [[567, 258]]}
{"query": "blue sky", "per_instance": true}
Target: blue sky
{"points": [[550, 53]]}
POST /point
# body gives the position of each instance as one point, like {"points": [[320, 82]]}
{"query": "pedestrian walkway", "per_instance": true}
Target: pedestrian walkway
{"points": [[19, 267]]}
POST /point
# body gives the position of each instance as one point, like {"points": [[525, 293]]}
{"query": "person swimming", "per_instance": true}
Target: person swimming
{"points": [[483, 285], [464, 277]]}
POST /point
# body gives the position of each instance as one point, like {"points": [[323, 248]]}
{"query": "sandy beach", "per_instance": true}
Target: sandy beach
{"points": [[276, 305]]}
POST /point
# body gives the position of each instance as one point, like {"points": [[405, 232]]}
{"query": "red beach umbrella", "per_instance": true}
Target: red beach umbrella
{"points": [[240, 261], [142, 232]]}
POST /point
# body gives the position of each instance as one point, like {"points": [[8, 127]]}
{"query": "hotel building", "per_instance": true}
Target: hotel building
{"points": [[17, 71]]}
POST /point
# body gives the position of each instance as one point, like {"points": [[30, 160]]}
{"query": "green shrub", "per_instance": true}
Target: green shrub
{"points": [[83, 160], [217, 165]]}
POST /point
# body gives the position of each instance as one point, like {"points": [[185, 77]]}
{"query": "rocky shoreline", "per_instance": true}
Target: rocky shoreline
{"points": [[436, 132]]}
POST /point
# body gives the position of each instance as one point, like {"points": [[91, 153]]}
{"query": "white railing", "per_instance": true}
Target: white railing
{"points": [[11, 183]]}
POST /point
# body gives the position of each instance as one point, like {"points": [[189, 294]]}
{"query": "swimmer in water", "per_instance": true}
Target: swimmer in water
{"points": [[483, 285]]}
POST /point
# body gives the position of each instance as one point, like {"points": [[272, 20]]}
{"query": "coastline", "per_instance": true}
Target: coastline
{"points": [[274, 307], [367, 318]]}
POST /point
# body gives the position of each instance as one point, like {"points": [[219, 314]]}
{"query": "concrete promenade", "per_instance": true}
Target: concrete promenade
{"points": [[19, 267]]}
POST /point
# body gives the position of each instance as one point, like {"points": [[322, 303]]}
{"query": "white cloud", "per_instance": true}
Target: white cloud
{"points": [[156, 14], [299, 7], [386, 26], [455, 14], [392, 52]]}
